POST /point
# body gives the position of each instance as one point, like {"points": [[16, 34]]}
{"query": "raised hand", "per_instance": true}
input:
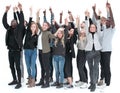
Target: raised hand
{"points": [[50, 9], [8, 8], [94, 7], [20, 6]]}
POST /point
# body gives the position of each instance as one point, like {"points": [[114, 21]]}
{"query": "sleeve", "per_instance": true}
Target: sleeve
{"points": [[4, 21]]}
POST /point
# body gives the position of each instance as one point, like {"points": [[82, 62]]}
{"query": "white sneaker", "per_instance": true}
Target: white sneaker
{"points": [[102, 86], [22, 79], [84, 85], [79, 84]]}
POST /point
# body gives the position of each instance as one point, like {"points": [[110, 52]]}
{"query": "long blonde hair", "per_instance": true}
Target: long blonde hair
{"points": [[60, 30]]}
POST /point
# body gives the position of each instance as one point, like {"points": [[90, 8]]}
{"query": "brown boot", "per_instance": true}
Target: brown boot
{"points": [[32, 84], [29, 81]]}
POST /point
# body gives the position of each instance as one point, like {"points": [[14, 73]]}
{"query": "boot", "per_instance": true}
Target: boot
{"points": [[32, 84], [29, 81]]}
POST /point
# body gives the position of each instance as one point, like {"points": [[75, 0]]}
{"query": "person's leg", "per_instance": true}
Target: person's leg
{"points": [[95, 75], [82, 61], [102, 69], [33, 69], [61, 68], [35, 72], [89, 59], [46, 63], [33, 63], [69, 69], [22, 67], [17, 64], [51, 66], [78, 65], [56, 66], [41, 82], [107, 70], [28, 62], [12, 68]]}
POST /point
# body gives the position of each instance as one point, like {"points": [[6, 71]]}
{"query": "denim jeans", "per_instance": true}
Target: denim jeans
{"points": [[93, 58], [58, 63], [30, 58]]}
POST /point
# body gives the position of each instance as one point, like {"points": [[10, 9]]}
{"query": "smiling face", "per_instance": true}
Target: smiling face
{"points": [[60, 34], [82, 25], [34, 27], [93, 28], [71, 31], [45, 26]]}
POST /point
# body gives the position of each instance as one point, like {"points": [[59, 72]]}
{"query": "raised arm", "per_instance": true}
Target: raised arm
{"points": [[111, 18], [52, 14], [30, 18], [44, 16], [70, 16], [20, 15], [94, 11], [86, 21], [61, 14], [38, 19], [4, 19], [14, 13], [77, 24]]}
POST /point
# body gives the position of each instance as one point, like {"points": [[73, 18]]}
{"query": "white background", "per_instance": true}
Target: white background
{"points": [[77, 7]]}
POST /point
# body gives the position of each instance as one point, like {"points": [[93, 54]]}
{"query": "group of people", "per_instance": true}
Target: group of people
{"points": [[55, 42]]}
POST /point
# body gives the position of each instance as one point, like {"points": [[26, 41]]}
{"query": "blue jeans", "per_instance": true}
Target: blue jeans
{"points": [[58, 63], [30, 58]]}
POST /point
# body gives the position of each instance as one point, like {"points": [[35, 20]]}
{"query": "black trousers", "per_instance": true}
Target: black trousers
{"points": [[68, 68], [51, 63], [81, 60], [46, 65], [42, 66], [14, 62], [105, 67]]}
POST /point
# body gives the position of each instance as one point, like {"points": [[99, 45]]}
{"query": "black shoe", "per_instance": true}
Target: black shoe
{"points": [[69, 86], [107, 84], [60, 85], [45, 86], [90, 86], [18, 86], [50, 79], [55, 84], [40, 83], [66, 83], [77, 81], [13, 82], [93, 88]]}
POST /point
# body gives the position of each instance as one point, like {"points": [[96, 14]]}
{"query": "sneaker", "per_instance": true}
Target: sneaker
{"points": [[59, 86], [69, 86], [79, 84], [22, 79], [66, 83], [55, 84], [18, 86], [45, 86], [100, 83], [84, 85], [77, 81], [13, 82]]}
